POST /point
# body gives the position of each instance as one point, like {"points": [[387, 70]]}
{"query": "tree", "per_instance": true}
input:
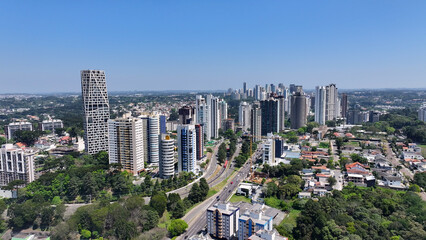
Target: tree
{"points": [[179, 210], [60, 131], [177, 227], [414, 188], [86, 234], [159, 203], [195, 193], [204, 188], [221, 156], [332, 181], [420, 179], [172, 200], [27, 137], [174, 115]]}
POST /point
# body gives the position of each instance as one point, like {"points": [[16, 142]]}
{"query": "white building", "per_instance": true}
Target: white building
{"points": [[222, 220], [244, 115], [203, 115], [51, 125], [269, 151], [327, 104], [320, 104], [422, 113], [11, 128], [256, 122], [187, 154], [252, 221], [16, 164], [153, 141], [167, 161], [96, 110], [126, 144]]}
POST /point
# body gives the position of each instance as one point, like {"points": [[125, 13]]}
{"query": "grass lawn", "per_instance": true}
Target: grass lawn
{"points": [[236, 198], [291, 217], [355, 144], [423, 150]]}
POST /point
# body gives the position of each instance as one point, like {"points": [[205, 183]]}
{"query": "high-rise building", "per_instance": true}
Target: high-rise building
{"points": [[292, 88], [126, 145], [203, 115], [16, 164], [244, 87], [186, 148], [269, 151], [320, 104], [344, 105], [213, 103], [422, 113], [281, 113], [374, 116], [187, 115], [228, 124], [153, 139], [270, 116], [96, 110], [163, 121], [51, 125], [256, 122], [222, 220], [167, 161], [332, 103], [244, 113], [223, 111], [298, 116], [199, 134], [11, 128]]}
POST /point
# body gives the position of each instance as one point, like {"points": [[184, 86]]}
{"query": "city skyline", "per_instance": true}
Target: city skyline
{"points": [[200, 46]]}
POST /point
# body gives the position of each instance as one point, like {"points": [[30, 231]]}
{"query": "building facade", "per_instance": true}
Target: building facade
{"points": [[167, 161], [16, 164], [126, 144], [199, 134], [256, 122], [11, 128], [51, 125], [186, 148], [244, 115], [96, 110], [298, 116], [222, 220]]}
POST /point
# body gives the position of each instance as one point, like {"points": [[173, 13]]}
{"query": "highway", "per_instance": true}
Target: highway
{"points": [[196, 218]]}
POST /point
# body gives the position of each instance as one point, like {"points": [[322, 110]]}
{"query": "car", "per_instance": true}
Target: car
{"points": [[232, 182]]}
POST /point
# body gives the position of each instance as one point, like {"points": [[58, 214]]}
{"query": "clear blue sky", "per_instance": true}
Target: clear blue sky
{"points": [[163, 45]]}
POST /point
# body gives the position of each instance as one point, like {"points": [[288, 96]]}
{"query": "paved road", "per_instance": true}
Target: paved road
{"points": [[390, 155], [339, 177]]}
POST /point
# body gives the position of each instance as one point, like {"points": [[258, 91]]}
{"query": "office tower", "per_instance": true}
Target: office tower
{"points": [[320, 104], [228, 124], [331, 111], [167, 163], [145, 141], [292, 88], [281, 113], [267, 88], [256, 122], [374, 116], [270, 116], [186, 148], [96, 110], [163, 128], [213, 103], [16, 164], [51, 125], [203, 115], [126, 145], [257, 92], [273, 88], [422, 113], [222, 220], [187, 115], [153, 138], [244, 87], [199, 134], [269, 151], [281, 86], [11, 128], [250, 93], [223, 110], [298, 116], [344, 105], [253, 220], [244, 113]]}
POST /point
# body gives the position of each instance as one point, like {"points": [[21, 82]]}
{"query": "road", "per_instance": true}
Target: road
{"points": [[339, 178], [390, 155], [196, 218]]}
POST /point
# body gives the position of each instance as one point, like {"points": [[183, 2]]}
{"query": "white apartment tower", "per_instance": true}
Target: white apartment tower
{"points": [[203, 115], [320, 104], [167, 163], [126, 144], [222, 220], [326, 103], [15, 164], [213, 102], [187, 154], [244, 115], [96, 110]]}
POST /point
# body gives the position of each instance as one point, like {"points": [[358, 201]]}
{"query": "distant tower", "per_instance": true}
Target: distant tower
{"points": [[298, 116], [256, 121], [186, 148], [96, 110], [244, 87], [199, 133], [270, 116], [344, 105], [320, 104], [244, 113], [153, 136], [167, 164]]}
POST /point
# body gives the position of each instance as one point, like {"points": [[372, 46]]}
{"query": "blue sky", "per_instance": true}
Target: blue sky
{"points": [[166, 45]]}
